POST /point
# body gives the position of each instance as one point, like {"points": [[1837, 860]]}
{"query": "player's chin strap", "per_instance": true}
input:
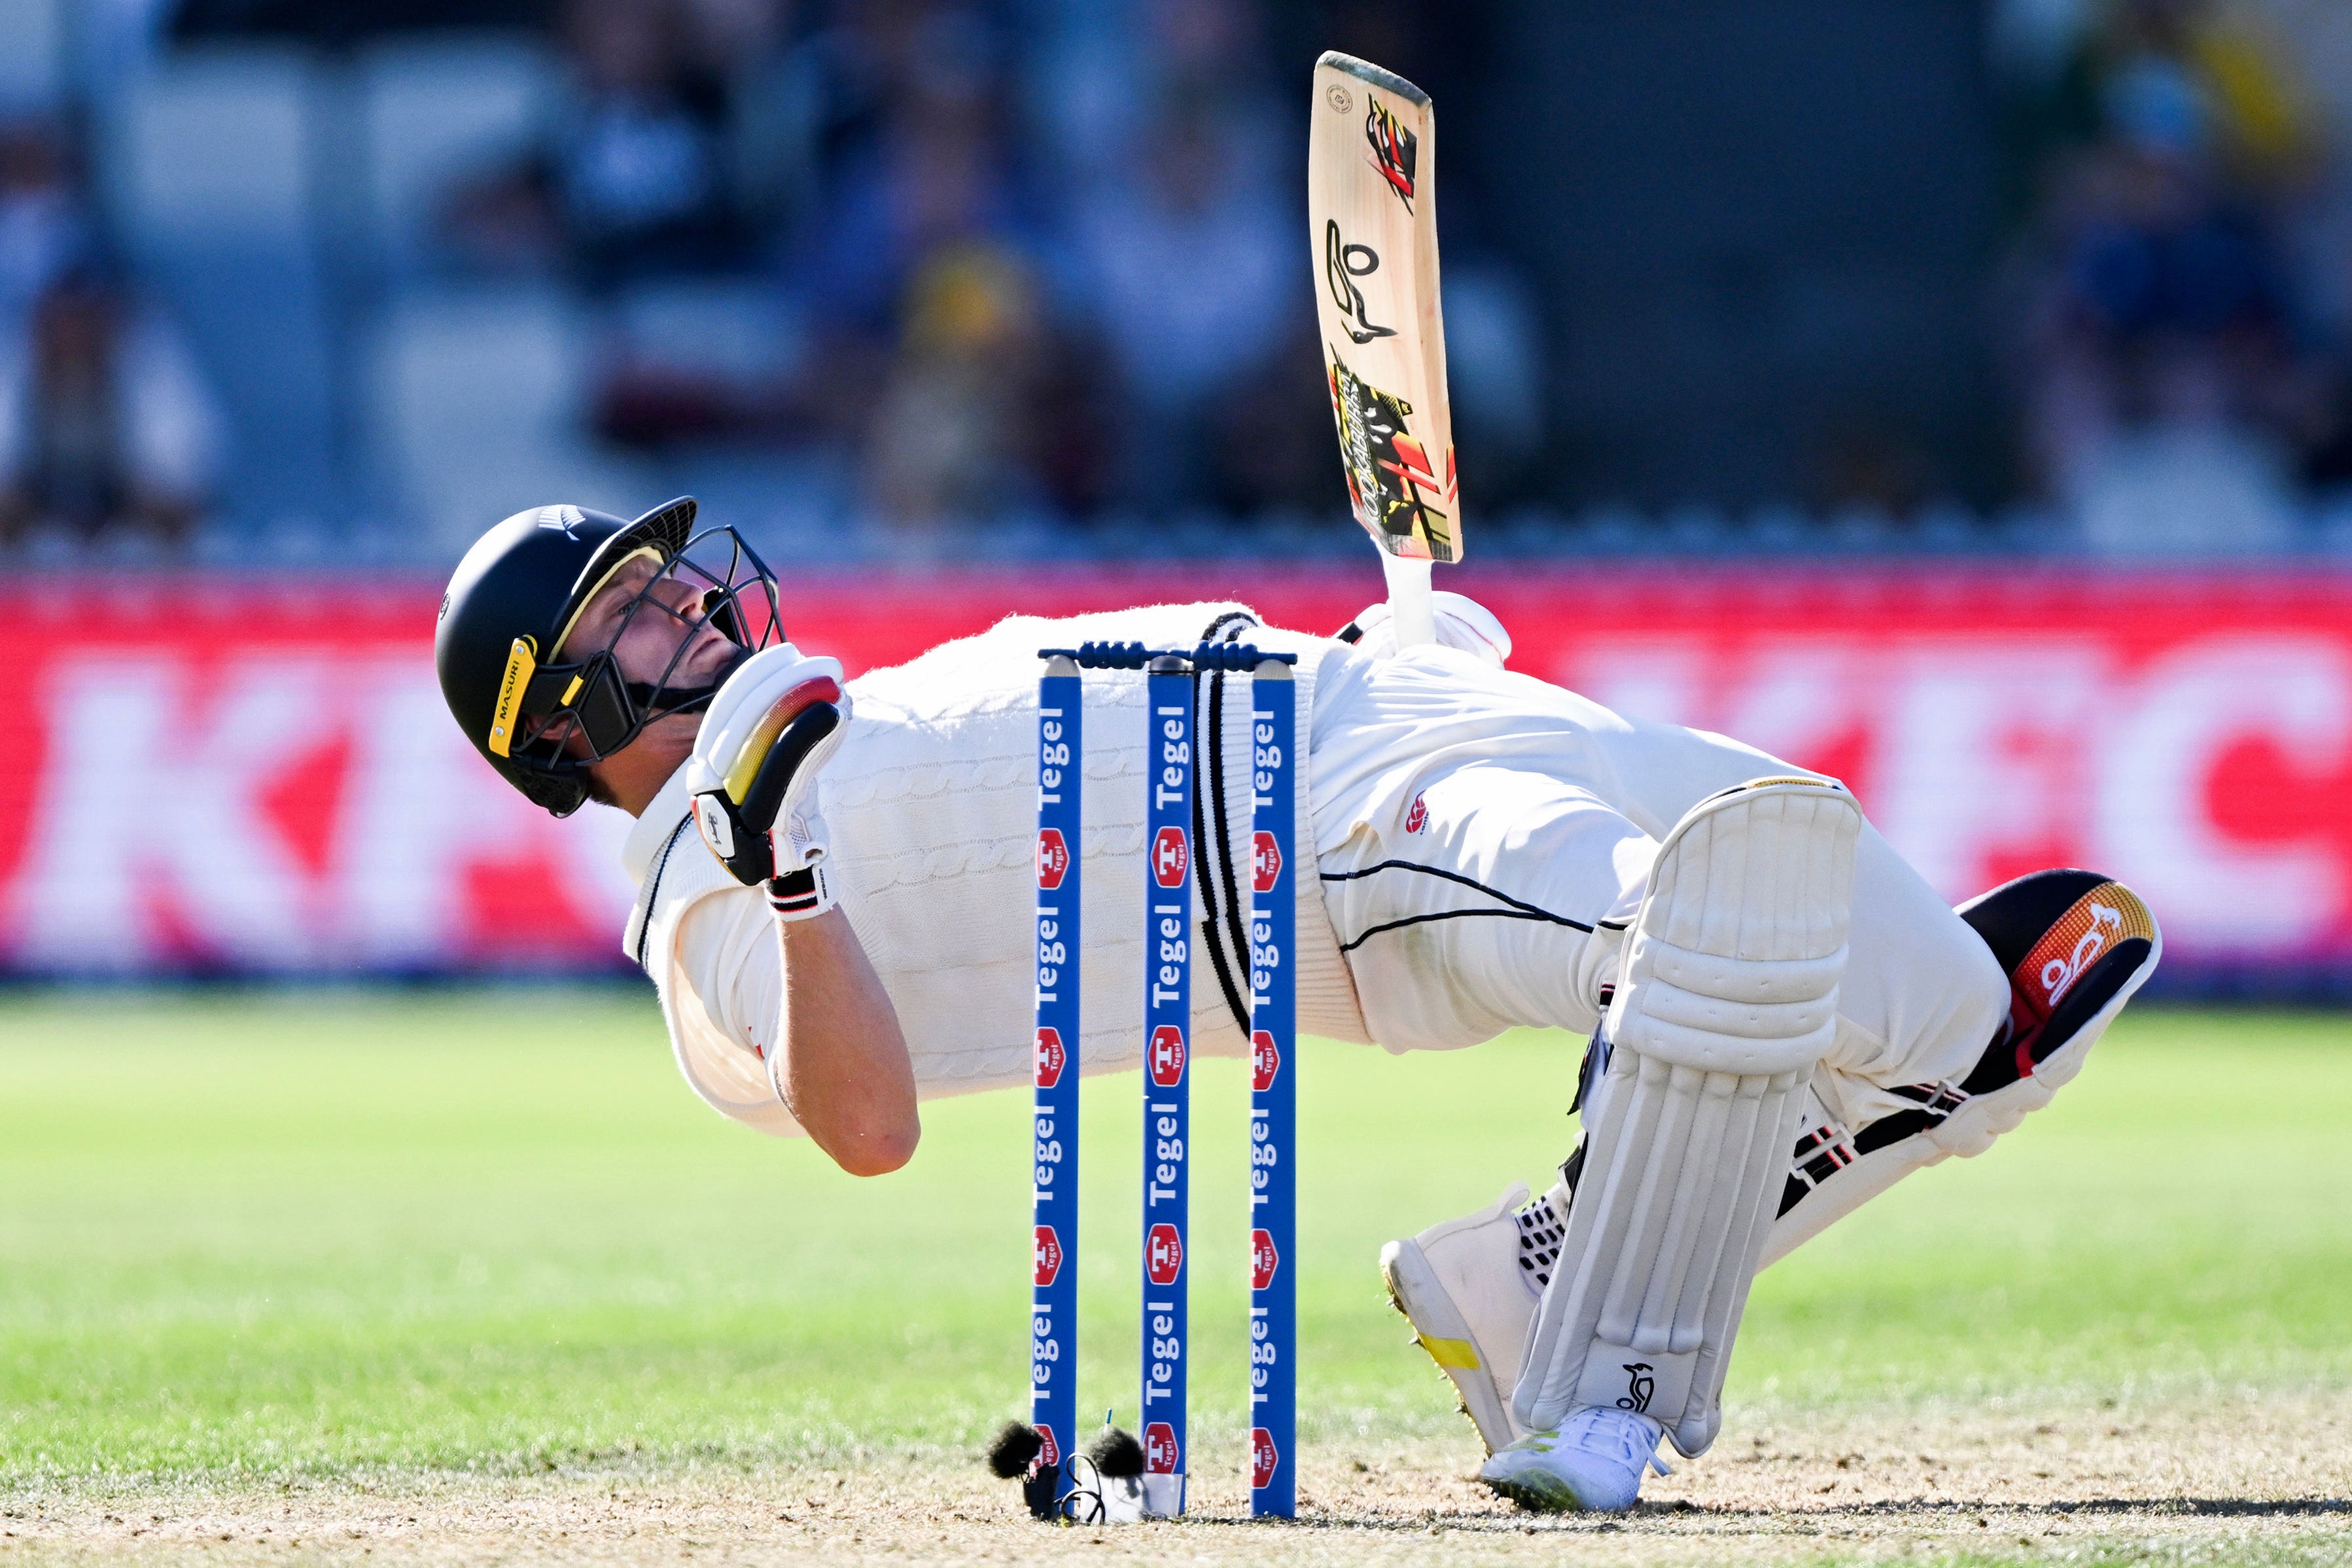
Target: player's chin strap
{"points": [[657, 701], [610, 711]]}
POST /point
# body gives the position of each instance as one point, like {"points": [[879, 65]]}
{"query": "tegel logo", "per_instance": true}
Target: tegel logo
{"points": [[1046, 1260], [1163, 1254], [1265, 861], [1170, 857], [1266, 1060], [1053, 858], [1159, 1455], [1052, 1057], [1265, 1261], [1166, 1056]]}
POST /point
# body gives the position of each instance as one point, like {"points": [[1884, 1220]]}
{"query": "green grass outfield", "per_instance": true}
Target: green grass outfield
{"points": [[314, 1235]]}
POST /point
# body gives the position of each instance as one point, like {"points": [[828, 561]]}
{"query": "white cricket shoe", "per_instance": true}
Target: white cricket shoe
{"points": [[1593, 1462], [2076, 947], [1469, 1287]]}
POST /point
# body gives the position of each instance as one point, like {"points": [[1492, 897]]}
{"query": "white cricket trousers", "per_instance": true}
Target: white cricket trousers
{"points": [[1484, 838]]}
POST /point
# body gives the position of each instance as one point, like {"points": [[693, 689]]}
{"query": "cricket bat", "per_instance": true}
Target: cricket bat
{"points": [[1371, 210]]}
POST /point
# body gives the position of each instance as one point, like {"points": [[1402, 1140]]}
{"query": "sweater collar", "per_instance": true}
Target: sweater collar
{"points": [[653, 829]]}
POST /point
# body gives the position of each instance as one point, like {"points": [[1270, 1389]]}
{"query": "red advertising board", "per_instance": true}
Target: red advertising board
{"points": [[196, 773]]}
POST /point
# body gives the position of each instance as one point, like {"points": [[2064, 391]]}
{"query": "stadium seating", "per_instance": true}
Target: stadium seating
{"points": [[474, 396], [32, 62], [431, 112], [209, 163]]}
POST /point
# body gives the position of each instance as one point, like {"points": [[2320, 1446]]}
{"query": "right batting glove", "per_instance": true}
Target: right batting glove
{"points": [[1461, 623], [769, 730]]}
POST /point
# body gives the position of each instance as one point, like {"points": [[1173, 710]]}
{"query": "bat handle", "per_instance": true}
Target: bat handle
{"points": [[1414, 621]]}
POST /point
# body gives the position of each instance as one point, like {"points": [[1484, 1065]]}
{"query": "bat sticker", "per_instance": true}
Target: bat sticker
{"points": [[1342, 264], [1395, 488], [1394, 149]]}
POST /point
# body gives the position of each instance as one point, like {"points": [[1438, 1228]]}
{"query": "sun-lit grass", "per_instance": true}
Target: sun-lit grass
{"points": [[314, 1233]]}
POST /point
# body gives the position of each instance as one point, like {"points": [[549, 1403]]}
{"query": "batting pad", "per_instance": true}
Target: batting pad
{"points": [[1727, 1000]]}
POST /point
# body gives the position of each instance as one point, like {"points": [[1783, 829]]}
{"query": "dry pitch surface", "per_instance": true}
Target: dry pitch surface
{"points": [[2227, 1482], [468, 1279]]}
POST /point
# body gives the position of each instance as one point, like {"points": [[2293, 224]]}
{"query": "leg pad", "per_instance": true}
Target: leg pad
{"points": [[1726, 1002]]}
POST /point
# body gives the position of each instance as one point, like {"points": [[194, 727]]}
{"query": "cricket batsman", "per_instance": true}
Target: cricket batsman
{"points": [[835, 879]]}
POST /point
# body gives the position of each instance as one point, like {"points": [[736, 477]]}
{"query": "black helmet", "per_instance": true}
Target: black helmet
{"points": [[514, 598]]}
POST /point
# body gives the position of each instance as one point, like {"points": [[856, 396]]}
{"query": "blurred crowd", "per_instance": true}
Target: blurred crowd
{"points": [[1036, 264], [2181, 296], [930, 265], [999, 306], [105, 423], [931, 273]]}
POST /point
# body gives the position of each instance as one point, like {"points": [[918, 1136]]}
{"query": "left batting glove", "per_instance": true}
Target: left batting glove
{"points": [[770, 729]]}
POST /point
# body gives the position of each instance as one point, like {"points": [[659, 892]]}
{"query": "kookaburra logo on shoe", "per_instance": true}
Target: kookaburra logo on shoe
{"points": [[2059, 973], [1639, 1387]]}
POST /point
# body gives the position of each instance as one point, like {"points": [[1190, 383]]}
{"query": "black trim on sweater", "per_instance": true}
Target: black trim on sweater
{"points": [[1218, 929], [653, 885], [1520, 906], [1371, 932]]}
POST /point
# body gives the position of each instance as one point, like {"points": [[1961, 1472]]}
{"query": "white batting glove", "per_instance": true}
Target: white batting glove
{"points": [[1461, 623], [806, 892], [752, 774]]}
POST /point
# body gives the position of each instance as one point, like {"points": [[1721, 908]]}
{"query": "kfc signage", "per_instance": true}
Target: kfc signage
{"points": [[219, 775], [194, 776], [2192, 739]]}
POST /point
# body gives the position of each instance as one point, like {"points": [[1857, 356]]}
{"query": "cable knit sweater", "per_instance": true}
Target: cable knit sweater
{"points": [[931, 804]]}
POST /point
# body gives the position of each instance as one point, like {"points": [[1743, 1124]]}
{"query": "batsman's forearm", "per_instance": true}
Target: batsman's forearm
{"points": [[842, 1065]]}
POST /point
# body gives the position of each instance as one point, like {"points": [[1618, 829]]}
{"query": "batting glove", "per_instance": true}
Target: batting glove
{"points": [[1461, 623], [753, 776]]}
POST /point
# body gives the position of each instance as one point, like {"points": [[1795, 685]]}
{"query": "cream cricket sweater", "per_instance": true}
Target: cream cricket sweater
{"points": [[931, 805]]}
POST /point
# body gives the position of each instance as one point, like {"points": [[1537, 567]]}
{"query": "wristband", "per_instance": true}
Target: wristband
{"points": [[801, 894]]}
